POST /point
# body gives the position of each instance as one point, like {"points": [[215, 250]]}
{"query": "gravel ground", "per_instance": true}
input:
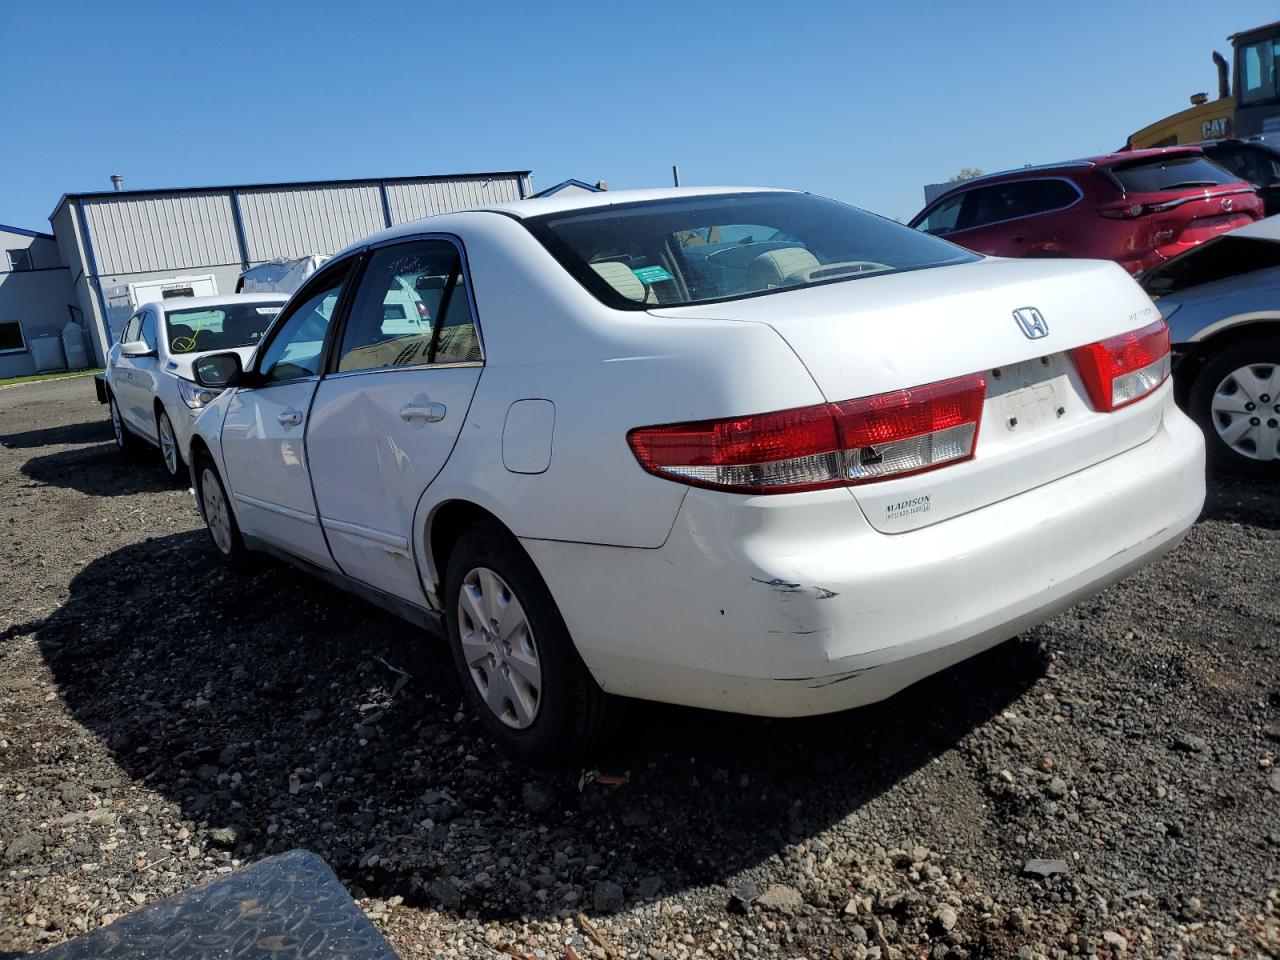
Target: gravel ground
{"points": [[163, 721]]}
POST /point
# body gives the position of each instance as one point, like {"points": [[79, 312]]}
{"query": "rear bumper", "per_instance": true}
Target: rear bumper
{"points": [[794, 605]]}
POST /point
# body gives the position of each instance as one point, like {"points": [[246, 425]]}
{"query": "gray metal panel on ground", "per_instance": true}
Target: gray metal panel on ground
{"points": [[414, 199], [162, 232], [296, 221], [286, 907]]}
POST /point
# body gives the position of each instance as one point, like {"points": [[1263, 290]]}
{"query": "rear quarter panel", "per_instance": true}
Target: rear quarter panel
{"points": [[606, 371]]}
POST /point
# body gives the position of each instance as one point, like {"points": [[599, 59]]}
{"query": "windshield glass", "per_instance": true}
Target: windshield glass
{"points": [[218, 328], [698, 249], [1178, 172], [1256, 71]]}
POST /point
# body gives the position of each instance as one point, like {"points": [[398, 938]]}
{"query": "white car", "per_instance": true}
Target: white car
{"points": [[748, 450], [150, 389]]}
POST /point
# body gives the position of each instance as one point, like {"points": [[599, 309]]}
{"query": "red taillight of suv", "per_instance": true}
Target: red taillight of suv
{"points": [[827, 445], [1123, 369]]}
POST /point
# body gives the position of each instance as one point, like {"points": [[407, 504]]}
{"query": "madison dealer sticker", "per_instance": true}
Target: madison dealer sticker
{"points": [[907, 508]]}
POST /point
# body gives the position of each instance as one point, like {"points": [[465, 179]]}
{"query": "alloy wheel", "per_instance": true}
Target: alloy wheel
{"points": [[216, 514], [499, 649], [168, 445], [1246, 411]]}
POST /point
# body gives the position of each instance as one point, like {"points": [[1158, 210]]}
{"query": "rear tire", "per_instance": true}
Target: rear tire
{"points": [[174, 466], [1236, 401], [516, 660], [218, 518]]}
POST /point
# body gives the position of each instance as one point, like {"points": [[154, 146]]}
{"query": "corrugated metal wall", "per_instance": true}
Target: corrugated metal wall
{"points": [[162, 232], [295, 221], [414, 199]]}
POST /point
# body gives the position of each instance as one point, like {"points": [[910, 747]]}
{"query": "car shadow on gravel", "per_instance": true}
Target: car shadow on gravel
{"points": [[87, 431], [1244, 500], [278, 713], [100, 470]]}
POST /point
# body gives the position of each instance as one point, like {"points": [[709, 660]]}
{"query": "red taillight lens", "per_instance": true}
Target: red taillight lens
{"points": [[911, 430], [827, 445], [1120, 370]]}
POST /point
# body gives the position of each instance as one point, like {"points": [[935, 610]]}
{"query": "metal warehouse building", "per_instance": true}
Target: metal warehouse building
{"points": [[111, 239]]}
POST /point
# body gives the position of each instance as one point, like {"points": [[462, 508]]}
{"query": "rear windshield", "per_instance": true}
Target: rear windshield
{"points": [[218, 328], [1180, 172], [699, 249]]}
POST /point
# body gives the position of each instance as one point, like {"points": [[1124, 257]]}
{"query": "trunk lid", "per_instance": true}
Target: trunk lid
{"points": [[880, 334]]}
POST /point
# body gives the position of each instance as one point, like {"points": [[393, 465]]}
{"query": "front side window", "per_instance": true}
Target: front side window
{"points": [[295, 348], [942, 219], [218, 328], [411, 308], [11, 340], [131, 329], [19, 260], [700, 249], [1177, 172], [148, 332]]}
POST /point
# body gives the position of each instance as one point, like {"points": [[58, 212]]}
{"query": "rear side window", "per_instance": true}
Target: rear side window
{"points": [[411, 308], [1013, 199], [1177, 172], [699, 249]]}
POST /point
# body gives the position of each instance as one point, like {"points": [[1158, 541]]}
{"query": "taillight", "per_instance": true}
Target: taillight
{"points": [[1119, 370], [826, 445]]}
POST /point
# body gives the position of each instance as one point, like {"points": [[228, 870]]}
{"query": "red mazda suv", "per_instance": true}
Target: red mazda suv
{"points": [[1139, 208]]}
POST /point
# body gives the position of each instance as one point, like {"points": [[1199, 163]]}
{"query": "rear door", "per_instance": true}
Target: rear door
{"points": [[262, 434], [388, 413], [120, 368], [1017, 218]]}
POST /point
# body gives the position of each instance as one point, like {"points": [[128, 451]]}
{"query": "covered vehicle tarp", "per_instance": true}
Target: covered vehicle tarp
{"points": [[279, 275], [1255, 246]]}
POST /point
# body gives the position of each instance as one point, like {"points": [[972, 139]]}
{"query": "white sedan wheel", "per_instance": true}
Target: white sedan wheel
{"points": [[168, 444], [499, 648], [216, 512]]}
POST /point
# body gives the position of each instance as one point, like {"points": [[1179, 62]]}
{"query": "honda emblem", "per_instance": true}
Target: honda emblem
{"points": [[1032, 322]]}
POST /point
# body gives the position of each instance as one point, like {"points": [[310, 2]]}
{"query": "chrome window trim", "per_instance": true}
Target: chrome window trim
{"points": [[1026, 216], [455, 365]]}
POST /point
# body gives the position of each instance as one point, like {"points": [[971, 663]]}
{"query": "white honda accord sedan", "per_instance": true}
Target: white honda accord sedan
{"points": [[150, 387], [749, 450]]}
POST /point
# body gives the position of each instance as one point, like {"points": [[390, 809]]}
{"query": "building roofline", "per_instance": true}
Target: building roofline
{"points": [[215, 188], [23, 231]]}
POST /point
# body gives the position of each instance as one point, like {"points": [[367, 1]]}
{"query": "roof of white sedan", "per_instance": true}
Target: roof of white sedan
{"points": [[219, 300], [561, 203]]}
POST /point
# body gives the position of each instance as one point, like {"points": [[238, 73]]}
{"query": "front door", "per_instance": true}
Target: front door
{"points": [[265, 425], [388, 413]]}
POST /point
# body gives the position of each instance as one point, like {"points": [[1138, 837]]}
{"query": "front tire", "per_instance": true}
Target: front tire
{"points": [[1236, 401], [174, 466], [126, 442], [518, 665], [218, 518]]}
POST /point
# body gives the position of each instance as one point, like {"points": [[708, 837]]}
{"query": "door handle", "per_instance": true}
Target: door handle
{"points": [[431, 412], [290, 418]]}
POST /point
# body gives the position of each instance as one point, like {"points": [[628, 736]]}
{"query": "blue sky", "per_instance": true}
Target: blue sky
{"points": [[861, 102]]}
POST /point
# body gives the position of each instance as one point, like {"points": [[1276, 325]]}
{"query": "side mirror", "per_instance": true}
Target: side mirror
{"points": [[218, 370], [137, 348]]}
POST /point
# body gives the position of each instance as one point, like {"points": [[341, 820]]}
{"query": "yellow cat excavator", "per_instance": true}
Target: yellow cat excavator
{"points": [[1248, 104]]}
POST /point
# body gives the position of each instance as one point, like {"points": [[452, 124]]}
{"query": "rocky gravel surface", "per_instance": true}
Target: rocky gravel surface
{"points": [[1106, 785]]}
